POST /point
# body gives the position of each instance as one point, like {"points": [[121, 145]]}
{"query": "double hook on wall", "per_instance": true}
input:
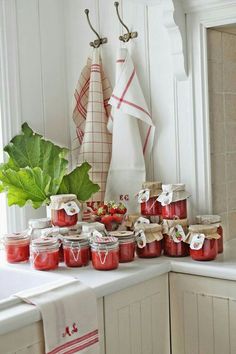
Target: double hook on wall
{"points": [[124, 38]]}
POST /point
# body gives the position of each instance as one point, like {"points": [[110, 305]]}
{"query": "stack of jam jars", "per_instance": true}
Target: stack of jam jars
{"points": [[105, 252], [214, 220], [17, 247], [64, 213], [152, 246], [174, 233], [174, 215], [203, 240], [126, 245], [147, 197], [76, 251], [45, 253]]}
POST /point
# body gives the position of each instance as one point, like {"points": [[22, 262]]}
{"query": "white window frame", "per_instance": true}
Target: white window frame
{"points": [[10, 93]]}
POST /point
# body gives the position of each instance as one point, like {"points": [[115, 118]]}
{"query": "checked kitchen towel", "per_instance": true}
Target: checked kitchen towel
{"points": [[133, 134], [91, 112], [69, 314]]}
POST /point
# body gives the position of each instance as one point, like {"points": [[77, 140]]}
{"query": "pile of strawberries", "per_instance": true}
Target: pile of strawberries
{"points": [[110, 213]]}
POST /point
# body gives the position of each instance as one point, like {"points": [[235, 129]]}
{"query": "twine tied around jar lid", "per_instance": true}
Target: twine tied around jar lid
{"points": [[152, 232], [176, 229], [209, 231], [155, 188], [173, 193]]}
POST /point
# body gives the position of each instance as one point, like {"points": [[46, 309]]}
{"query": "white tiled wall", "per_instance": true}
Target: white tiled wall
{"points": [[222, 97]]}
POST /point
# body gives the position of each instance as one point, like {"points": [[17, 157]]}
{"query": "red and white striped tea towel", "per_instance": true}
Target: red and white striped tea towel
{"points": [[69, 313], [131, 142], [91, 112]]}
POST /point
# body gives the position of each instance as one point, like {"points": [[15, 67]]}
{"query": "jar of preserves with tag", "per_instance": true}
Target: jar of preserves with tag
{"points": [[76, 251], [174, 201], [174, 233], [36, 227], [126, 245], [216, 221], [17, 247], [105, 253], [45, 253], [147, 197], [64, 210], [152, 247], [203, 242]]}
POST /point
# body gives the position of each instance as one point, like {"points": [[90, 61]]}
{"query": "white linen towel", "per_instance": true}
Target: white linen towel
{"points": [[131, 142], [69, 314], [91, 112]]}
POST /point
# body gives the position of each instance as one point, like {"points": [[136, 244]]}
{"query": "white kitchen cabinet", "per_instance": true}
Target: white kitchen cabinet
{"points": [[203, 315], [137, 319]]}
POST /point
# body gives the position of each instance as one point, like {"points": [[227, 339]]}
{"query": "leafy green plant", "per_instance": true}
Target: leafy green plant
{"points": [[37, 168]]}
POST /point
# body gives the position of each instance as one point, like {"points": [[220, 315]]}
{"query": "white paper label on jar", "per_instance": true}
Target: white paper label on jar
{"points": [[197, 242], [140, 238], [71, 208], [177, 233], [165, 198], [141, 220], [143, 195]]}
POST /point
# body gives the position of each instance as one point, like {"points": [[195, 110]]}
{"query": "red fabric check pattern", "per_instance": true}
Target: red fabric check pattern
{"points": [[90, 116]]}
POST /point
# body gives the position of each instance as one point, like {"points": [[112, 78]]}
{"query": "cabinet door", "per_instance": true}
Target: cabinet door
{"points": [[137, 319], [203, 315]]}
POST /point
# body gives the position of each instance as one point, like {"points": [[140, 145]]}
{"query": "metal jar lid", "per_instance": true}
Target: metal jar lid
{"points": [[45, 243], [123, 236], [75, 241], [104, 243]]}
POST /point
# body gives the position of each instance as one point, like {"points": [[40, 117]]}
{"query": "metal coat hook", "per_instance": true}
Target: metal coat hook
{"points": [[97, 42], [129, 35]]}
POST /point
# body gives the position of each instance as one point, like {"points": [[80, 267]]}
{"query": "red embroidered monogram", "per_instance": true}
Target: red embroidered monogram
{"points": [[70, 330]]}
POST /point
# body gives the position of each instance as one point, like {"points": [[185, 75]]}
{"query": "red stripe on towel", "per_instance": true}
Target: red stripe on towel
{"points": [[72, 342], [126, 88]]}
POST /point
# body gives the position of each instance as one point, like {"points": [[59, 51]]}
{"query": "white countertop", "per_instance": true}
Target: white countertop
{"points": [[106, 282]]}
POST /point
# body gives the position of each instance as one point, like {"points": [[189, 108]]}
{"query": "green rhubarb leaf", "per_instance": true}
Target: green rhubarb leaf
{"points": [[25, 186], [78, 182], [29, 149]]}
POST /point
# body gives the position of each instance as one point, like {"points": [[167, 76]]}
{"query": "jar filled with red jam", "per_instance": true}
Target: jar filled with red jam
{"points": [[174, 201], [105, 253], [126, 245], [64, 210], [76, 251], [174, 233], [45, 253], [153, 245], [150, 206], [203, 242], [17, 247], [214, 220]]}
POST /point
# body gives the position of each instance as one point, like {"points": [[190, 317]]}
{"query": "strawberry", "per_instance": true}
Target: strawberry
{"points": [[107, 219], [121, 209], [113, 209], [117, 218]]}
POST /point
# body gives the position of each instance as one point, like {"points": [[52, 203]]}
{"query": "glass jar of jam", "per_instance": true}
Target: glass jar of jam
{"points": [[105, 253], [203, 242], [76, 251], [174, 233], [45, 253], [216, 221], [17, 247], [126, 245], [36, 227], [64, 210], [150, 206], [174, 201], [153, 245]]}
